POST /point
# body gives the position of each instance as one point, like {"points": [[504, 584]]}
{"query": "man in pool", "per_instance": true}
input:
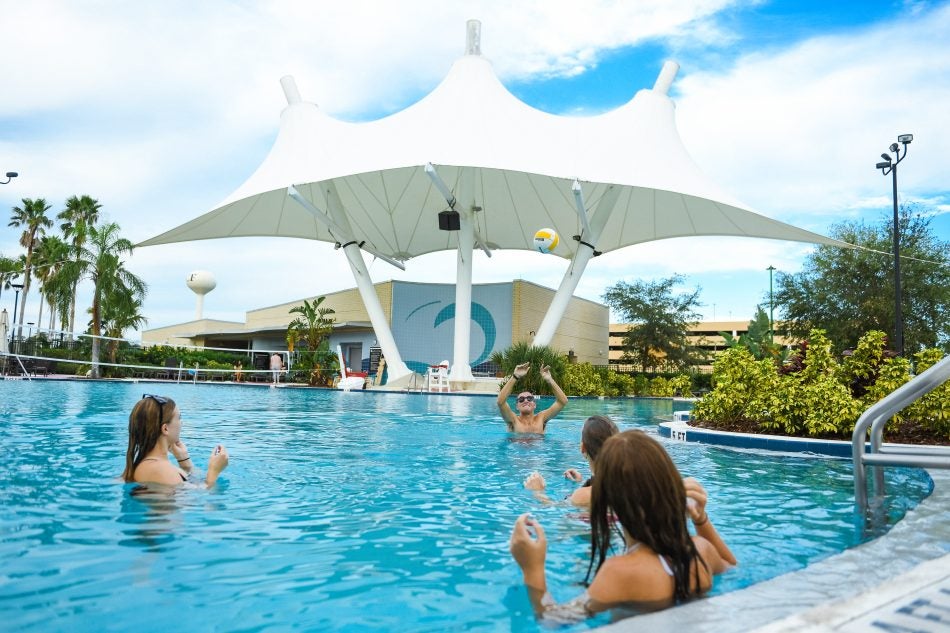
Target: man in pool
{"points": [[526, 420]]}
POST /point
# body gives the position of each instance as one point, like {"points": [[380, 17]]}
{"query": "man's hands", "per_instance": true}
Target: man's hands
{"points": [[521, 370]]}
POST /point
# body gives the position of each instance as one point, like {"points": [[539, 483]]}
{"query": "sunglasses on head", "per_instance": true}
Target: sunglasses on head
{"points": [[161, 402], [528, 398]]}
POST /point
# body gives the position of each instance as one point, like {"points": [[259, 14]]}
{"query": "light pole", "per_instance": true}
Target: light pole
{"points": [[889, 166], [771, 270], [16, 299]]}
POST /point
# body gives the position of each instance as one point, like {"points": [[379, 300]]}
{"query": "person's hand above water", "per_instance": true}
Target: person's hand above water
{"points": [[574, 475], [696, 498], [529, 550], [546, 372], [216, 463], [521, 370], [535, 481]]}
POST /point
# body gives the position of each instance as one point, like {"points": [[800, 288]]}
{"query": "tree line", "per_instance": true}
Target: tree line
{"points": [[83, 249], [844, 292]]}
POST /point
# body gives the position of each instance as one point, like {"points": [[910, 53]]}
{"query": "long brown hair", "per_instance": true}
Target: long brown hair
{"points": [[597, 430], [638, 483], [144, 431]]}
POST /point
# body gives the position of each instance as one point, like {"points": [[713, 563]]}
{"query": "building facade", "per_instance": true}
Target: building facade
{"points": [[422, 319]]}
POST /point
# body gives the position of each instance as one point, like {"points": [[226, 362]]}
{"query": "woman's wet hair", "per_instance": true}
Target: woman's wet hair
{"points": [[597, 429], [145, 427], [638, 484]]}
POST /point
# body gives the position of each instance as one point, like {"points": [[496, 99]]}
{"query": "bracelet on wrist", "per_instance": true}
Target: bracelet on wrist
{"points": [[182, 459], [702, 521]]}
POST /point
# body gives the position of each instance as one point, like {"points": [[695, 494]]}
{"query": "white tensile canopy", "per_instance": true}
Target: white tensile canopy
{"points": [[506, 168]]}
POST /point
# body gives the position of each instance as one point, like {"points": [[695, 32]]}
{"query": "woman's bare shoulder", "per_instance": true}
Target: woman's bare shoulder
{"points": [[158, 472]]}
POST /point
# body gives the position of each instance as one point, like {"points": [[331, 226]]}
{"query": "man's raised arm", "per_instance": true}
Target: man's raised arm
{"points": [[560, 399]]}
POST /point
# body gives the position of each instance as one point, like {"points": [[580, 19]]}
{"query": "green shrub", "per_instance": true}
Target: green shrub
{"points": [[661, 387], [742, 389], [538, 356], [619, 385], [682, 385], [641, 385], [582, 379], [933, 410], [815, 395]]}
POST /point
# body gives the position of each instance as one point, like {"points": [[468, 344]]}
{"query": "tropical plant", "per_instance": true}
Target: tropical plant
{"points": [[658, 334], [313, 328], [814, 395], [121, 311], [758, 339], [10, 269], [100, 260], [32, 217], [742, 389], [581, 379], [538, 356], [78, 218]]}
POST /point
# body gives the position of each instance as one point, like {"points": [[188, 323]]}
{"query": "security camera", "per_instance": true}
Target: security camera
{"points": [[905, 138]]}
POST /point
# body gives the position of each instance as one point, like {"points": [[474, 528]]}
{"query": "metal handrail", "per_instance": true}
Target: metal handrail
{"points": [[878, 415]]}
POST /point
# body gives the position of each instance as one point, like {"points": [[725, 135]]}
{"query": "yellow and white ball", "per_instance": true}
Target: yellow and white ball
{"points": [[545, 240]]}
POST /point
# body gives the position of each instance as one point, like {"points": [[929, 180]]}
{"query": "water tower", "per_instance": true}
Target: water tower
{"points": [[201, 283]]}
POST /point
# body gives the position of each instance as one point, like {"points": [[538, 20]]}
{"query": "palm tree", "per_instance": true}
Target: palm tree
{"points": [[49, 257], [79, 216], [121, 310], [32, 217], [313, 327], [9, 270], [100, 260]]}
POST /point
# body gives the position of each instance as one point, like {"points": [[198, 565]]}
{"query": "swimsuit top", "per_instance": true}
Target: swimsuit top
{"points": [[666, 565]]}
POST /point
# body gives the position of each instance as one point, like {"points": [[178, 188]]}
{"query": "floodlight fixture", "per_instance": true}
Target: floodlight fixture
{"points": [[905, 138], [894, 147], [886, 157], [10, 176], [883, 165]]}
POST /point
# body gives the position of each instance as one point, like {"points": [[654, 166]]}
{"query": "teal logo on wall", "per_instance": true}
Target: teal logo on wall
{"points": [[480, 315]]}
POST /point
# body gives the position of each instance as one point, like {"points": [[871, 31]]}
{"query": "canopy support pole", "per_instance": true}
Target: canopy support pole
{"points": [[585, 250], [461, 369], [339, 225]]}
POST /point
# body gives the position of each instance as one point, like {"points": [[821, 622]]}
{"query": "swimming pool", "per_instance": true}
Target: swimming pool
{"points": [[346, 511]]}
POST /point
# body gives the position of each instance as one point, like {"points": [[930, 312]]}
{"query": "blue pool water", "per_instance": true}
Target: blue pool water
{"points": [[347, 511]]}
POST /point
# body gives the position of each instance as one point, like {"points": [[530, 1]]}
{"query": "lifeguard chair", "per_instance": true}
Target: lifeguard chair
{"points": [[349, 379], [439, 377]]}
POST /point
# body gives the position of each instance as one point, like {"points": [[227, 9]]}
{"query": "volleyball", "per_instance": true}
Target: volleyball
{"points": [[545, 240]]}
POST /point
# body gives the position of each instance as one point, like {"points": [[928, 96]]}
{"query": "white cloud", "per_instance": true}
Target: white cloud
{"points": [[800, 130]]}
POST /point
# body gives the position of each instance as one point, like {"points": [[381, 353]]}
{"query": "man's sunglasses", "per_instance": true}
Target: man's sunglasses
{"points": [[528, 398], [161, 402]]}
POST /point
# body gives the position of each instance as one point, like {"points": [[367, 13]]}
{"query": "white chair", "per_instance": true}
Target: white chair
{"points": [[439, 377]]}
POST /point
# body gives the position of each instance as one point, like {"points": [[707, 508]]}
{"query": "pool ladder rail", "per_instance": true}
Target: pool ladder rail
{"points": [[876, 417]]}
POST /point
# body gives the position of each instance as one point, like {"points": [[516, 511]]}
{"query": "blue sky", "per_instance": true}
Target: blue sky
{"points": [[161, 110]]}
